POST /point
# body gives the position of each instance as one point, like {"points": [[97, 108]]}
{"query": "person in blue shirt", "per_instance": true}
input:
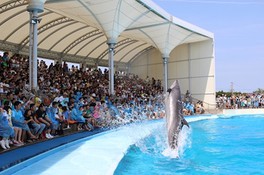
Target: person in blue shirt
{"points": [[54, 116], [18, 120], [77, 115]]}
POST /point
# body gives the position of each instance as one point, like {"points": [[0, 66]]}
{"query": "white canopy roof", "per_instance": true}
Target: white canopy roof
{"points": [[79, 30]]}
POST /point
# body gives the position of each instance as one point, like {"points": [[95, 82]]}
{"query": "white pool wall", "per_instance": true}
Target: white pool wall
{"points": [[99, 155], [243, 111]]}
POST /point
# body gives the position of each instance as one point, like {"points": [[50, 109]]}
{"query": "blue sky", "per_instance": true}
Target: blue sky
{"points": [[238, 27]]}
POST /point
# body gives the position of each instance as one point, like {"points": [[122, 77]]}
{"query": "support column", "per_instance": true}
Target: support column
{"points": [[30, 51], [60, 61], [35, 53], [83, 65], [96, 64], [34, 7], [165, 74], [128, 68], [111, 68], [189, 68]]}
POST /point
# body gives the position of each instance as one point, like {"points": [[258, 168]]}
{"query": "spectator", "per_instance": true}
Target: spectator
{"points": [[17, 140], [5, 130], [41, 117], [18, 120], [29, 117], [55, 118]]}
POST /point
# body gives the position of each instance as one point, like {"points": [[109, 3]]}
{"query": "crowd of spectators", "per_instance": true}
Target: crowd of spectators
{"points": [[241, 101], [69, 97], [191, 108]]}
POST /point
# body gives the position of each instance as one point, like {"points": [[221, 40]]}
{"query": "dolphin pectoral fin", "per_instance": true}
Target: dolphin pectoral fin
{"points": [[184, 122], [169, 90]]}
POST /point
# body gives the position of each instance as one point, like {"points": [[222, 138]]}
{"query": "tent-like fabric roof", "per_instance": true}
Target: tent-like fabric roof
{"points": [[79, 30]]}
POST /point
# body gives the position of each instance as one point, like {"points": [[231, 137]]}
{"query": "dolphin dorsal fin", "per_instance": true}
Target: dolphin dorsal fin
{"points": [[169, 90]]}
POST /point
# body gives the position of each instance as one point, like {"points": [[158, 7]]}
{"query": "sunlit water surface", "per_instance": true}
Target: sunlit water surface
{"points": [[225, 145]]}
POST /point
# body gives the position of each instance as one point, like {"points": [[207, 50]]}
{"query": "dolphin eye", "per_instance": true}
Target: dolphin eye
{"points": [[169, 90]]}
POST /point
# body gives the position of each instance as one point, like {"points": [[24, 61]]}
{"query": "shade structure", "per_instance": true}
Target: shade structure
{"points": [[78, 30]]}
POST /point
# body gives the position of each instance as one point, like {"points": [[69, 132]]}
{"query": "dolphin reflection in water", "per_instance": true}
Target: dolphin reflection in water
{"points": [[174, 116]]}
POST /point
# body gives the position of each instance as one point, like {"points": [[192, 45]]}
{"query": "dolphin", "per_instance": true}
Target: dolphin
{"points": [[174, 116]]}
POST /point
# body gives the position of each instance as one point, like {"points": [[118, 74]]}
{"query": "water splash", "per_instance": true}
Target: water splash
{"points": [[184, 142], [154, 143], [157, 144]]}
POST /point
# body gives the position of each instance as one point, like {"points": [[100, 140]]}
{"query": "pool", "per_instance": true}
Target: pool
{"points": [[213, 145], [227, 145]]}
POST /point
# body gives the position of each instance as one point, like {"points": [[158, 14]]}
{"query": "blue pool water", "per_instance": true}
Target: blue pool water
{"points": [[212, 145], [219, 146]]}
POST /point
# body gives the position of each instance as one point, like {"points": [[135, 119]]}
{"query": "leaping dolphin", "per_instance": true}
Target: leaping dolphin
{"points": [[174, 115]]}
